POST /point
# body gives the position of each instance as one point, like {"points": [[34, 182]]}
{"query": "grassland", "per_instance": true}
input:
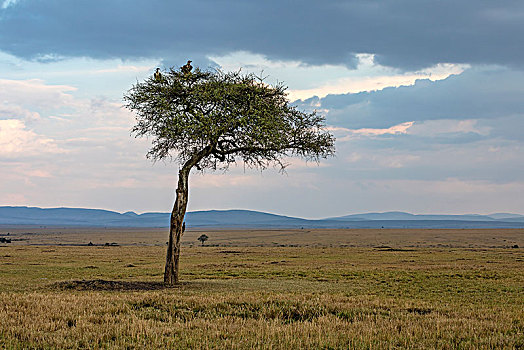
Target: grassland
{"points": [[327, 289]]}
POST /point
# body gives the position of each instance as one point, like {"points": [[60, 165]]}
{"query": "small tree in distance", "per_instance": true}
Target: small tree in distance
{"points": [[210, 119], [203, 238]]}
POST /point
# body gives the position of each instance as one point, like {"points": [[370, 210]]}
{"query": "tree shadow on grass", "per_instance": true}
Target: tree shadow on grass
{"points": [[98, 285]]}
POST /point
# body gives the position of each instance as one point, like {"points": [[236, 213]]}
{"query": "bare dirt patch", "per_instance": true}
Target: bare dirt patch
{"points": [[100, 285]]}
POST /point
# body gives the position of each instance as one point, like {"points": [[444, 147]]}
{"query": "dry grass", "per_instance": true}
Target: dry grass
{"points": [[267, 297], [410, 238]]}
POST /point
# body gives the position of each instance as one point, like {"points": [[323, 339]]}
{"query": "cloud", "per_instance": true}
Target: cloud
{"points": [[377, 78], [396, 129], [482, 93], [57, 142], [35, 101], [24, 96], [408, 34], [9, 111], [432, 128], [122, 68], [344, 134], [17, 141], [7, 3], [305, 81]]}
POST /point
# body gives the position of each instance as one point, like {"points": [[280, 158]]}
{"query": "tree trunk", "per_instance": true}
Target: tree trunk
{"points": [[176, 228]]}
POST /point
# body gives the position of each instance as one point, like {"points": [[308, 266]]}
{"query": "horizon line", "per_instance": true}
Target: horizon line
{"points": [[264, 212]]}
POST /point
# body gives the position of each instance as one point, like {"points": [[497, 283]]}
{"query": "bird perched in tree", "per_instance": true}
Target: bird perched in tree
{"points": [[186, 69], [158, 76]]}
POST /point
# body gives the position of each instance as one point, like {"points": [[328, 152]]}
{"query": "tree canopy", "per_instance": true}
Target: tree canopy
{"points": [[211, 119]]}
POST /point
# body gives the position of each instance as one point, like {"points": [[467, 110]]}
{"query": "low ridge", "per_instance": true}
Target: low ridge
{"points": [[238, 218]]}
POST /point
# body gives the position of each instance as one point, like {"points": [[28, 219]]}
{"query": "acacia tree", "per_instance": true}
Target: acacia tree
{"points": [[211, 119], [203, 238]]}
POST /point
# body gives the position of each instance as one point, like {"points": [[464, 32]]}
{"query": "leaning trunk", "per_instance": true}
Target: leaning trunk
{"points": [[176, 228]]}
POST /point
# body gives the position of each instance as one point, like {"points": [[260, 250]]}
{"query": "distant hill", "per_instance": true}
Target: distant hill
{"points": [[504, 216], [398, 215], [79, 217], [249, 219]]}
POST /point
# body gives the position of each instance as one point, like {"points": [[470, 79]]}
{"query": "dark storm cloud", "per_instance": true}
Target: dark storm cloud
{"points": [[403, 33], [478, 93]]}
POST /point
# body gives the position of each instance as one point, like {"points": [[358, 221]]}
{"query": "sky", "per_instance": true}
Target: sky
{"points": [[425, 98]]}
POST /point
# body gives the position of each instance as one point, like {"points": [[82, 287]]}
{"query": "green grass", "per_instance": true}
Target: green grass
{"points": [[262, 297]]}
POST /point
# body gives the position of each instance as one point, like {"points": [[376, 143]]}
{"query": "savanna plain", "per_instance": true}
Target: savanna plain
{"points": [[269, 289]]}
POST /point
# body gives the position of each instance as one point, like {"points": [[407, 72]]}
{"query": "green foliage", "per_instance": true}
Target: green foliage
{"points": [[212, 119]]}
